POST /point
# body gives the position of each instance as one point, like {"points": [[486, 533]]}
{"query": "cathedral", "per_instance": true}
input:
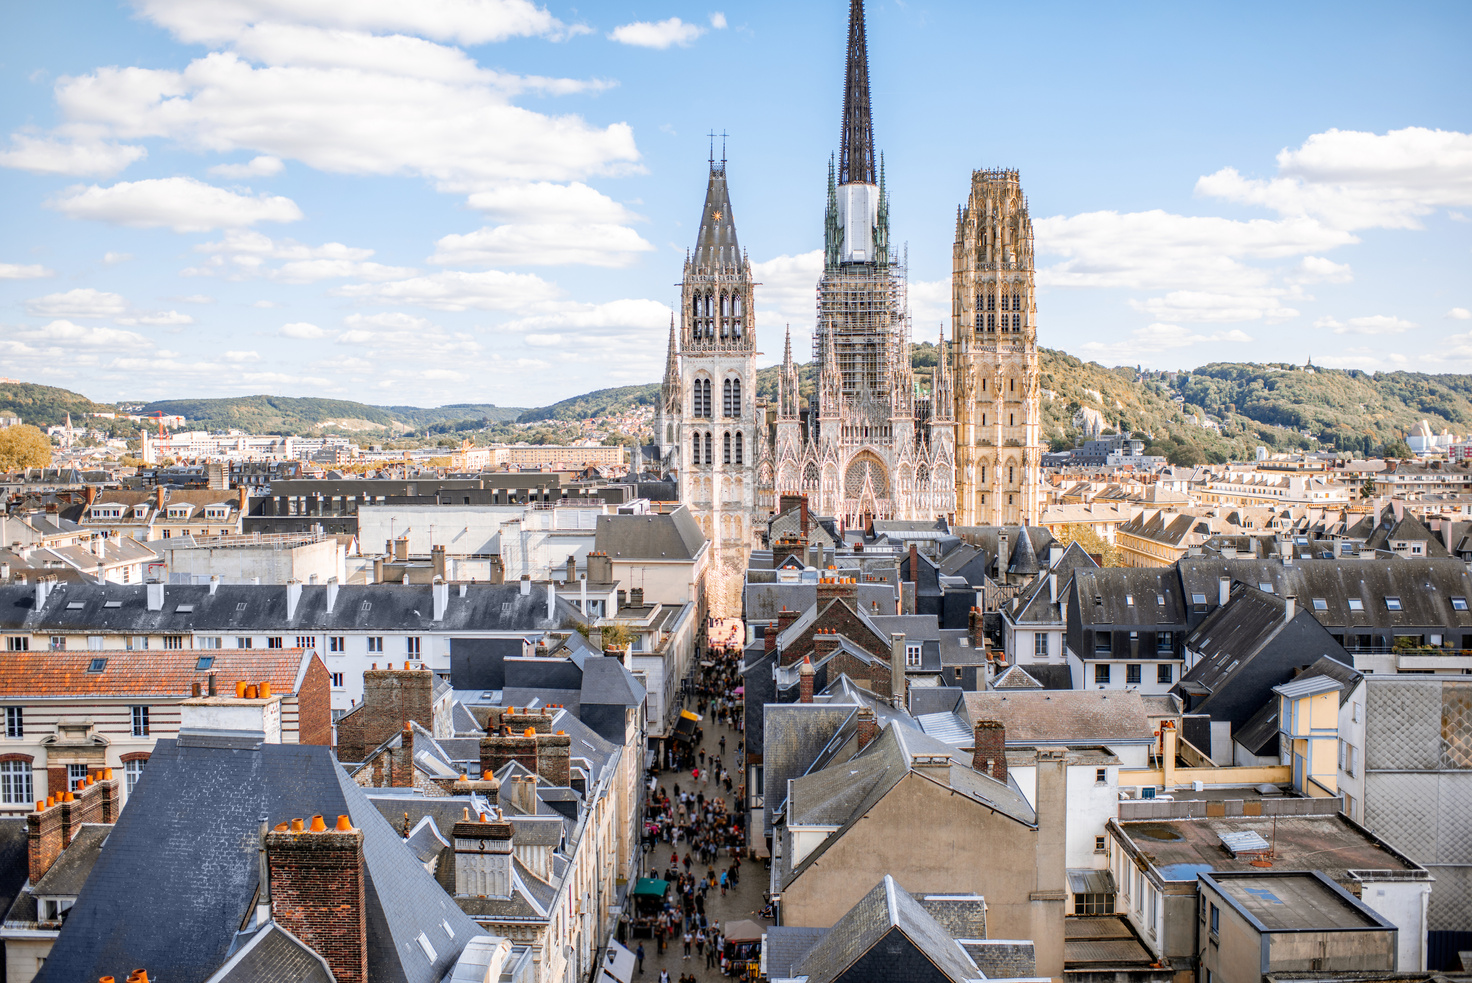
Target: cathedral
{"points": [[870, 443]]}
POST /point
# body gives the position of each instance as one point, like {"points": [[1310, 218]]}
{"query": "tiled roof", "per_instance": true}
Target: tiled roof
{"points": [[160, 673], [1064, 717]]}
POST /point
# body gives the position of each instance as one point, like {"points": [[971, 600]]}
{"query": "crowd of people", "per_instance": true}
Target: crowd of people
{"points": [[693, 839]]}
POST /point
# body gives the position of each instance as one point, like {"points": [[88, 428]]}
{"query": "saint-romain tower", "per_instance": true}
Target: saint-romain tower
{"points": [[707, 420], [994, 318]]}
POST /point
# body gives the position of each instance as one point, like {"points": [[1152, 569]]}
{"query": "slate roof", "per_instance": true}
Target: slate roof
{"points": [[1034, 717], [147, 673], [177, 910], [885, 908], [785, 946], [1104, 598], [383, 607], [65, 877], [653, 536], [14, 859], [274, 955], [1016, 677], [793, 736]]}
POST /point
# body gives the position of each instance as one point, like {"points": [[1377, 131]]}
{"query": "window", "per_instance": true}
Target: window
{"points": [[15, 782], [211, 642], [1099, 844], [335, 644], [912, 654], [1160, 600], [1215, 920], [15, 723], [1164, 641], [740, 448], [97, 665], [726, 448], [337, 680], [1132, 674], [1040, 645], [1093, 904], [58, 643], [1392, 604], [173, 642], [1103, 642], [306, 641], [1320, 604], [140, 721], [203, 662], [1129, 599], [17, 643], [1165, 674], [1356, 604], [1459, 604], [75, 775], [1101, 777], [132, 771], [244, 642], [1265, 586], [375, 643], [709, 454], [1101, 672], [273, 642], [1198, 601], [411, 645], [1350, 759], [695, 449]]}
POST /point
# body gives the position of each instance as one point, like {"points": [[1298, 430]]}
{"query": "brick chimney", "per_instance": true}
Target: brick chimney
{"points": [[805, 674], [498, 749], [897, 670], [483, 851], [826, 642], [50, 829], [914, 564], [317, 891], [600, 568], [403, 762], [990, 755], [554, 758], [868, 727], [390, 697], [785, 618], [976, 625]]}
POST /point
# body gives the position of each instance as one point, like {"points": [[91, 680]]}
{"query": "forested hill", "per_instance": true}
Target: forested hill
{"points": [[1217, 412]]}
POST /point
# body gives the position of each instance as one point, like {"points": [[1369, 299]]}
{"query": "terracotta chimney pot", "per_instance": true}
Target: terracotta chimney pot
{"points": [[318, 826], [343, 825], [297, 825]]}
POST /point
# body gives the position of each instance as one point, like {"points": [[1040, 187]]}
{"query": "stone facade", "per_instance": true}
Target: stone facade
{"points": [[706, 423], [994, 320]]}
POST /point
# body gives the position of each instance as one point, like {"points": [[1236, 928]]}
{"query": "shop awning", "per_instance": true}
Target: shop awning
{"points": [[652, 886]]}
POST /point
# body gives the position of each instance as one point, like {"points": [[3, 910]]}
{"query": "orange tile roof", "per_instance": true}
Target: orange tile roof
{"points": [[161, 673]]}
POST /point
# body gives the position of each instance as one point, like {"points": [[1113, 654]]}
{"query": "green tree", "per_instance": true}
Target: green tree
{"points": [[24, 446], [1185, 455], [1396, 448], [1367, 490], [1091, 543]]}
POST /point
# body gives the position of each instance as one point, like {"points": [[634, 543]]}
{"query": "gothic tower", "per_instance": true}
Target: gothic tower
{"points": [[994, 318], [708, 407]]}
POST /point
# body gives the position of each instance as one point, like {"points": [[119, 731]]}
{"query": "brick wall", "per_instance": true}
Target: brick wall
{"points": [[836, 617], [317, 893], [50, 830], [314, 705], [390, 697]]}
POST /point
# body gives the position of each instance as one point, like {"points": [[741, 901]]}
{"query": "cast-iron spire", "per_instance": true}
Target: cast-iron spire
{"points": [[856, 152]]}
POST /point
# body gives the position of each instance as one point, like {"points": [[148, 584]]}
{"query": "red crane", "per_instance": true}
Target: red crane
{"points": [[158, 417]]}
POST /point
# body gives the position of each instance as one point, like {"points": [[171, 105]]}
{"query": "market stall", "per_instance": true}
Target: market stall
{"points": [[649, 899], [741, 954]]}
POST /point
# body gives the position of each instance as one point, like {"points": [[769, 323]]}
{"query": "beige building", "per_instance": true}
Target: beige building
{"points": [[994, 319], [584, 455]]}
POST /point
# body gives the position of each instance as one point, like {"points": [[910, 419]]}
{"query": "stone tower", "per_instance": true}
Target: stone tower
{"points": [[872, 448], [707, 418], [994, 319]]}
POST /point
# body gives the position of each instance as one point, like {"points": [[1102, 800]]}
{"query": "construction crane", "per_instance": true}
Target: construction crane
{"points": [[157, 417]]}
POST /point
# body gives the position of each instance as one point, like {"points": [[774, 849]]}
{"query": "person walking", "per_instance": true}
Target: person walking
{"points": [[664, 976]]}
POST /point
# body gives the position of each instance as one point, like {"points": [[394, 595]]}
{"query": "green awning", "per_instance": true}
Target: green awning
{"points": [[651, 885]]}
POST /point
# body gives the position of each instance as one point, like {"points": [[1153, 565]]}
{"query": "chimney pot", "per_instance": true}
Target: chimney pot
{"points": [[265, 691], [107, 774], [343, 825], [240, 689], [318, 826], [297, 825]]}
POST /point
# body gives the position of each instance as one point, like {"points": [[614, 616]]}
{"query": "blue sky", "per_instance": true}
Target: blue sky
{"points": [[490, 200]]}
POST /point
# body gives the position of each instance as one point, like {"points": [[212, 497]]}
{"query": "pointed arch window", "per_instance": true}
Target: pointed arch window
{"points": [[695, 449], [1016, 322], [991, 302], [991, 322], [1017, 302], [726, 448], [695, 316], [740, 448], [737, 314], [709, 457], [734, 409]]}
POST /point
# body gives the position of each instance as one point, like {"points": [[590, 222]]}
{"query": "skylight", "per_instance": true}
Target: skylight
{"points": [[1355, 604], [97, 665], [1392, 604]]}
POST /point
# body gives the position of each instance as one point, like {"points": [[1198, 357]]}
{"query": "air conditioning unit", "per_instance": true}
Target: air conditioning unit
{"points": [[1147, 791]]}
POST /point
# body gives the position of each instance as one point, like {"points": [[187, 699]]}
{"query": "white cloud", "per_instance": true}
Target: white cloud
{"points": [[240, 255], [1196, 305], [262, 166], [302, 330], [786, 293], [1157, 338], [454, 290], [718, 21], [180, 203], [242, 356], [267, 304], [657, 34], [544, 244], [162, 318], [194, 299], [47, 155], [68, 334], [15, 271], [403, 337], [1354, 180], [930, 307], [613, 318], [82, 302], [1374, 324], [545, 201], [1458, 314], [1317, 269], [462, 21], [113, 259]]}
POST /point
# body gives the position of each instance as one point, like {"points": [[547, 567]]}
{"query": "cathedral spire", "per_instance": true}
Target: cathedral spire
{"points": [[716, 247], [941, 393], [788, 395], [671, 388], [856, 160]]}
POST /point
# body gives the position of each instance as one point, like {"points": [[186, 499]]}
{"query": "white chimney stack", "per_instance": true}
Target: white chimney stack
{"points": [[293, 597], [526, 585], [441, 591], [155, 597], [1290, 607], [331, 594], [1223, 590], [214, 584], [551, 599]]}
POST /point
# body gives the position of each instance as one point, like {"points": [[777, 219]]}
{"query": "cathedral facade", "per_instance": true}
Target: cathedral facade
{"points": [[871, 446], [994, 323], [707, 422]]}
